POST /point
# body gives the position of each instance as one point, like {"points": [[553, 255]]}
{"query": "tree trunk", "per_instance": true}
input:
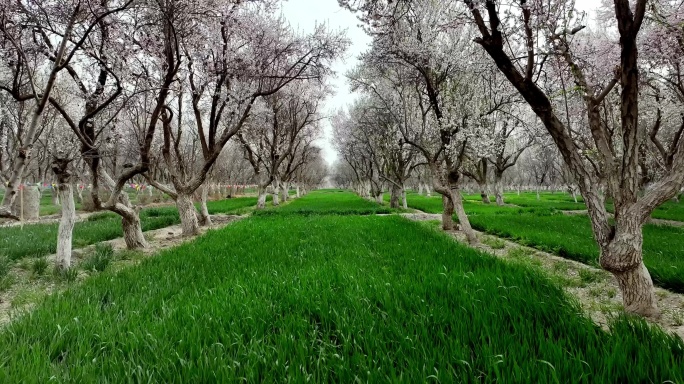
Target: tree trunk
{"points": [[638, 295], [623, 257], [66, 223], [261, 200], [188, 214], [447, 213], [420, 189], [463, 220], [574, 195], [483, 193], [55, 195], [276, 191], [284, 191], [132, 229], [499, 198], [298, 192], [404, 202], [66, 226], [204, 217], [27, 204], [428, 192], [79, 193], [394, 196], [498, 189], [378, 198]]}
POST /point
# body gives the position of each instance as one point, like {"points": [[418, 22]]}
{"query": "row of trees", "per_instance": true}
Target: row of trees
{"points": [[455, 89], [175, 93]]}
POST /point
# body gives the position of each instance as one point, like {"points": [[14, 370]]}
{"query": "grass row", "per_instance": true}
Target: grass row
{"points": [[570, 236], [37, 240], [329, 202], [670, 210], [335, 298]]}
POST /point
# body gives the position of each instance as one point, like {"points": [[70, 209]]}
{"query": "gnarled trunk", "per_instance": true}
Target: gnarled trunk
{"points": [[132, 229], [463, 220], [188, 214], [624, 259], [204, 217], [378, 198]]}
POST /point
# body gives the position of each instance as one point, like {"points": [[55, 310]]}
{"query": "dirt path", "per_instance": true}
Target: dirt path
{"points": [[596, 290], [29, 288]]}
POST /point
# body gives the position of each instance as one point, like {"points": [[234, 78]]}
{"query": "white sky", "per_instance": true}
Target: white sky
{"points": [[305, 14]]}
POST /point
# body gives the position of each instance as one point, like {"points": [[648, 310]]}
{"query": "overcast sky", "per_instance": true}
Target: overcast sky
{"points": [[305, 14]]}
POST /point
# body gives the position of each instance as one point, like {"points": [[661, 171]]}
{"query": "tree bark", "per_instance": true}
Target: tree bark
{"points": [[622, 256], [79, 193], [132, 229], [261, 200], [394, 196], [404, 202], [66, 227], [204, 217], [188, 214], [298, 192], [447, 213], [498, 189], [638, 295], [420, 189], [284, 191], [276, 192], [463, 220], [483, 193], [68, 219], [55, 196]]}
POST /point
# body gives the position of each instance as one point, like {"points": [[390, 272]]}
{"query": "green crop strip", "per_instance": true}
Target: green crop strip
{"points": [[570, 236], [327, 299], [328, 202], [37, 240]]}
